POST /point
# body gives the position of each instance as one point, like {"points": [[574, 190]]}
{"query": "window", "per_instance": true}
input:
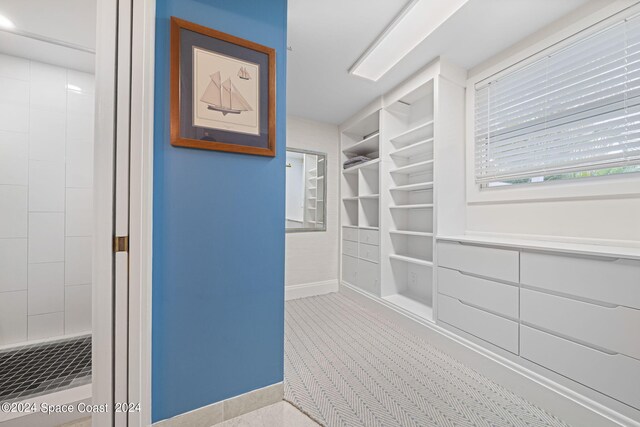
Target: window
{"points": [[574, 113]]}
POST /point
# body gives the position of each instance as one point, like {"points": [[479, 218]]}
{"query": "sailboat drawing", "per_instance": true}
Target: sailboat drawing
{"points": [[244, 74], [224, 97]]}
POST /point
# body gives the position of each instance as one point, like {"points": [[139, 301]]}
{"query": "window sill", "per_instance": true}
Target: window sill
{"points": [[605, 187]]}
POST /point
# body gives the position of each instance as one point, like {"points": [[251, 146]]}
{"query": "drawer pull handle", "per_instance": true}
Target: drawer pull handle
{"points": [[491, 279], [571, 297], [573, 340], [477, 307]]}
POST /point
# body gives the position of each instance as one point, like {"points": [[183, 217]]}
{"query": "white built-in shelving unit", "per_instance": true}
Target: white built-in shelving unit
{"points": [[361, 203], [408, 240], [314, 168], [390, 204]]}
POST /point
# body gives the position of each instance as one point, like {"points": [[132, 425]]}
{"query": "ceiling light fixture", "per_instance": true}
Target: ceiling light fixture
{"points": [[6, 23], [413, 24]]}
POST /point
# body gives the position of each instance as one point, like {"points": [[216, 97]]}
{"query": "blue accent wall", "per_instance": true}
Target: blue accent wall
{"points": [[218, 250]]}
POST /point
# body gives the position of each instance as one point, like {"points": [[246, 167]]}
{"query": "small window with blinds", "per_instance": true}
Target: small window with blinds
{"points": [[574, 113]]}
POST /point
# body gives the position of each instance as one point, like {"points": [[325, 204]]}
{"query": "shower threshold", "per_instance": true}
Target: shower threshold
{"points": [[36, 369]]}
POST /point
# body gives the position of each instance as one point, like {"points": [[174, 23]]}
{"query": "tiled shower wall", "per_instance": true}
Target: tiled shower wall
{"points": [[46, 179]]}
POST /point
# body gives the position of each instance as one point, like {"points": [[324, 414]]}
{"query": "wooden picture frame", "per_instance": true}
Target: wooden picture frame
{"points": [[213, 107]]}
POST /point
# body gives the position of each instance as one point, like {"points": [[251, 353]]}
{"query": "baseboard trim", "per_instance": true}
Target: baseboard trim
{"points": [[224, 410], [305, 290], [572, 407]]}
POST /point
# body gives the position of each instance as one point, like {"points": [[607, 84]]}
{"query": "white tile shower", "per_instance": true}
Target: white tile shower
{"points": [[46, 179]]}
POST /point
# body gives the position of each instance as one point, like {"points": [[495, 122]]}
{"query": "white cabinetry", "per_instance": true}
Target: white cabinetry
{"points": [[574, 314], [393, 199], [360, 194]]}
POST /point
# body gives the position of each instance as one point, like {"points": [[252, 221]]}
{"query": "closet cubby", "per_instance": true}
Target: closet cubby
{"points": [[350, 212], [362, 138], [369, 214], [412, 247], [422, 199], [349, 184], [411, 220], [411, 288], [369, 181]]}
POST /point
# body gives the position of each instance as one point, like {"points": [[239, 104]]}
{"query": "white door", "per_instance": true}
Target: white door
{"points": [[113, 136], [124, 171]]}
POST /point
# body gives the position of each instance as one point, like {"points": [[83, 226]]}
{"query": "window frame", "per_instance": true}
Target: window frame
{"points": [[622, 185]]}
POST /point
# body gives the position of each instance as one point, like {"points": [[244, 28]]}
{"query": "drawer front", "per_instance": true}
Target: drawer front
{"points": [[368, 277], [489, 327], [349, 233], [369, 252], [489, 262], [350, 269], [610, 328], [370, 237], [350, 248], [600, 279], [615, 375], [493, 296]]}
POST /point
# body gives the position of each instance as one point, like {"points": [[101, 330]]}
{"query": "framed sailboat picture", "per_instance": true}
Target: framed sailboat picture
{"points": [[222, 91]]}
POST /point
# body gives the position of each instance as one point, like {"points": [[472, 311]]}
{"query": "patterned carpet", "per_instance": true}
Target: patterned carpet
{"points": [[345, 366]]}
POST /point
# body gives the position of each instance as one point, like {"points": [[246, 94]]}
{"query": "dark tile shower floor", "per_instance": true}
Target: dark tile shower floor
{"points": [[38, 369]]}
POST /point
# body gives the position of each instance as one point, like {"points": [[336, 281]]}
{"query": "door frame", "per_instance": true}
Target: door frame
{"points": [[103, 207], [125, 44], [141, 208]]}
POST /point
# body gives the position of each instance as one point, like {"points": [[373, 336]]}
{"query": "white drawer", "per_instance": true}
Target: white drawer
{"points": [[493, 296], [369, 252], [495, 329], [489, 262], [350, 269], [615, 375], [350, 248], [368, 277], [349, 233], [371, 237], [610, 280], [611, 328]]}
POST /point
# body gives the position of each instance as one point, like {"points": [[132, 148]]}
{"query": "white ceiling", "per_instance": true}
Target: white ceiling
{"points": [[69, 21], [328, 36]]}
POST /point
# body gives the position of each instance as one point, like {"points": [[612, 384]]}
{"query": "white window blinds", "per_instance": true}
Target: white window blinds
{"points": [[577, 109]]}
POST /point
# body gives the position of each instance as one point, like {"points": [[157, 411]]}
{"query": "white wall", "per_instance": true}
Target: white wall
{"points": [[312, 257], [46, 179], [590, 218]]}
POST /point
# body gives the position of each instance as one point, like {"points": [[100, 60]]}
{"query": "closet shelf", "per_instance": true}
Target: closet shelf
{"points": [[347, 199], [362, 227], [414, 168], [411, 233], [368, 145], [411, 304], [412, 149], [417, 206], [411, 260], [413, 187], [370, 196], [418, 132], [368, 164]]}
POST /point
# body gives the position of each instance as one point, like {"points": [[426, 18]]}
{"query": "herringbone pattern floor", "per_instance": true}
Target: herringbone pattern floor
{"points": [[345, 366]]}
